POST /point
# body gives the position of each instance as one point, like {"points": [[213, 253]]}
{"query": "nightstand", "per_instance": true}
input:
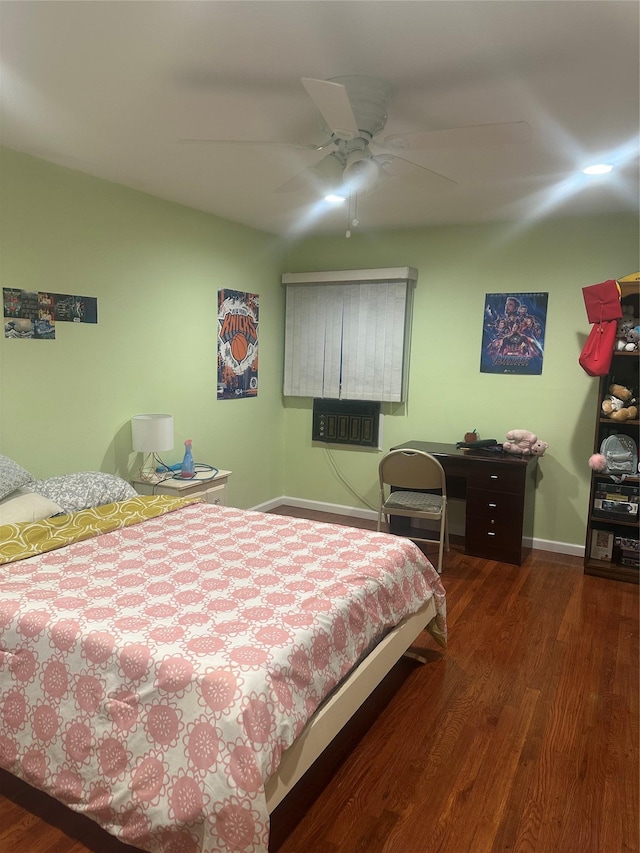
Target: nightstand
{"points": [[210, 489]]}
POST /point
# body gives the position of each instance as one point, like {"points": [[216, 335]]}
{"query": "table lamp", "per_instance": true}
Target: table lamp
{"points": [[151, 434]]}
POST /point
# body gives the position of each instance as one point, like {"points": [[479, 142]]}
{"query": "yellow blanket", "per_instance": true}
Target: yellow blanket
{"points": [[28, 538]]}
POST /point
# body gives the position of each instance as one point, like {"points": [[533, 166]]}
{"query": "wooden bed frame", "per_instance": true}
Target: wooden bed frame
{"points": [[344, 702]]}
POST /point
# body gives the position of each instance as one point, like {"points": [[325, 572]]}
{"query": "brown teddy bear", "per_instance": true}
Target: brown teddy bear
{"points": [[619, 404]]}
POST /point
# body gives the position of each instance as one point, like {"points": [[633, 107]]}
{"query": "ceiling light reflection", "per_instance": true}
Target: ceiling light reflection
{"points": [[598, 169]]}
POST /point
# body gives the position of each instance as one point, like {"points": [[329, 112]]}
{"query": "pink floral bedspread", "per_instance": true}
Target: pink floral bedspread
{"points": [[151, 677]]}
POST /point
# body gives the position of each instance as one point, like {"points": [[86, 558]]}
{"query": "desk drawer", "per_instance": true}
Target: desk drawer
{"points": [[498, 479], [493, 539], [502, 506]]}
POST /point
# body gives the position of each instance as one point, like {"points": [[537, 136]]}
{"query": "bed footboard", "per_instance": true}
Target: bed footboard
{"points": [[342, 705]]}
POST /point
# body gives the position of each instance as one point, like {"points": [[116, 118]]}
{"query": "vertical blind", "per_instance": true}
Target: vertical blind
{"points": [[347, 333]]}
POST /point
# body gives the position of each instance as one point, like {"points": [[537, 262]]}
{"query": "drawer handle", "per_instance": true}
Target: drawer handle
{"points": [[491, 533], [493, 506], [493, 476]]}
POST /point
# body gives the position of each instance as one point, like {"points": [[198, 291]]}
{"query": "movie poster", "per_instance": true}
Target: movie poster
{"points": [[513, 333], [237, 344]]}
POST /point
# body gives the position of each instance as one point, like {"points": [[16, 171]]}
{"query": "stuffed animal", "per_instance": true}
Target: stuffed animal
{"points": [[633, 339], [523, 442], [619, 404], [627, 330], [538, 448]]}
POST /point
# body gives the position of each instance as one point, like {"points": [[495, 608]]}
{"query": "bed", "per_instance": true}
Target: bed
{"points": [[171, 668]]}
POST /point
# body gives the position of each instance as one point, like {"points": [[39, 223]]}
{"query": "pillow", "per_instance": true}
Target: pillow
{"points": [[85, 489], [12, 476], [23, 505]]}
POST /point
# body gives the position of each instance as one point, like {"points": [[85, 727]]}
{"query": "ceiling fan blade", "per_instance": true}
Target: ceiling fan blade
{"points": [[398, 167], [333, 102], [309, 146], [502, 133], [303, 180], [324, 176], [297, 182]]}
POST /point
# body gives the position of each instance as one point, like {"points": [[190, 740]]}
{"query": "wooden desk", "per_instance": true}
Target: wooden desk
{"points": [[499, 490]]}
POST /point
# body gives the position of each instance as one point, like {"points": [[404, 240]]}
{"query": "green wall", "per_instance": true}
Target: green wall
{"points": [[155, 268], [447, 394]]}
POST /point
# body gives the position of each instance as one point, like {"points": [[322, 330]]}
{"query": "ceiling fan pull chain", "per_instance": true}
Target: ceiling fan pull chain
{"points": [[352, 220]]}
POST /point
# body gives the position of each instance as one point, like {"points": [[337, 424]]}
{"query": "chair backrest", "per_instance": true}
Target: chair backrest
{"points": [[412, 469]]}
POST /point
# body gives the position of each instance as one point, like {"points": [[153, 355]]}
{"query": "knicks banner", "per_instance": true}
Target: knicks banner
{"points": [[237, 344]]}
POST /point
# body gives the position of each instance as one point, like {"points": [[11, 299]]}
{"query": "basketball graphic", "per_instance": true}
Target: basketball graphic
{"points": [[239, 346]]}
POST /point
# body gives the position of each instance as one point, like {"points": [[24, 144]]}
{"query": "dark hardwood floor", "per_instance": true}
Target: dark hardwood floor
{"points": [[521, 736]]}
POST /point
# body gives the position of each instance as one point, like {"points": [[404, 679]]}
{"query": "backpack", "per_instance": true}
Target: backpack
{"points": [[621, 456]]}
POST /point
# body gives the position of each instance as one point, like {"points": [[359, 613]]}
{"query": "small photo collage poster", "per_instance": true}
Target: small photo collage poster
{"points": [[34, 314]]}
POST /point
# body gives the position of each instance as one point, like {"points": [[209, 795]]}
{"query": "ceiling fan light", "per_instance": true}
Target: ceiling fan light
{"points": [[328, 173], [361, 171]]}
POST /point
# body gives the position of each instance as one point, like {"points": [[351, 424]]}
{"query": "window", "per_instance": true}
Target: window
{"points": [[347, 333]]}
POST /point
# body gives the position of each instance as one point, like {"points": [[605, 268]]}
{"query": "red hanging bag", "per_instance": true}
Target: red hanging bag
{"points": [[602, 302]]}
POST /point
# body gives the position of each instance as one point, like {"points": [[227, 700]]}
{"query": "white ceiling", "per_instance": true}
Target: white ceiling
{"points": [[113, 88]]}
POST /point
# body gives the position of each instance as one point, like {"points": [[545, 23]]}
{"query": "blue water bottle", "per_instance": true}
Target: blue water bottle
{"points": [[188, 469]]}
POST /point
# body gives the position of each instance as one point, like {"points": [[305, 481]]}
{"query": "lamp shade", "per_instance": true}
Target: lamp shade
{"points": [[152, 433]]}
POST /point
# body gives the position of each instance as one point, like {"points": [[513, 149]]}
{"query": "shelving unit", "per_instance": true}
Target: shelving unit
{"points": [[609, 531]]}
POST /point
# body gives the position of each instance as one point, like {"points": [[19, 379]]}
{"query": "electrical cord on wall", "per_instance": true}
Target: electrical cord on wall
{"points": [[346, 483]]}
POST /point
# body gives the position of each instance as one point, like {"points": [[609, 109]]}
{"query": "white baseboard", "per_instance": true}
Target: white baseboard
{"points": [[317, 506], [556, 547], [339, 509]]}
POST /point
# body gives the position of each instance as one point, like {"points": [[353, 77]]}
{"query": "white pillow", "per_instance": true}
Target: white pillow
{"points": [[23, 505]]}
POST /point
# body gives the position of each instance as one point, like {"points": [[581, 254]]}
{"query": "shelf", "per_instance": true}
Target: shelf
{"points": [[628, 480], [623, 526], [619, 522], [613, 571]]}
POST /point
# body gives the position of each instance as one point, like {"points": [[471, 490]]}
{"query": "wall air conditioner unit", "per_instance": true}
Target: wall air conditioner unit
{"points": [[352, 422]]}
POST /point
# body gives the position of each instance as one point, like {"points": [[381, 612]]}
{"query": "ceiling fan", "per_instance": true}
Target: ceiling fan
{"points": [[354, 113]]}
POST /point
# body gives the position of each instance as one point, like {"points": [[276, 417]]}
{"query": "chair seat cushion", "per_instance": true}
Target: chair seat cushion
{"points": [[419, 501]]}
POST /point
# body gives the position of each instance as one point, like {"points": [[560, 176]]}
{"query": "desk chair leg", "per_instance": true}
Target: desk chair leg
{"points": [[444, 540]]}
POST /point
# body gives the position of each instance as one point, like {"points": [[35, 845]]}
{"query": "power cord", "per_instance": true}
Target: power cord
{"points": [[346, 483], [199, 467]]}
